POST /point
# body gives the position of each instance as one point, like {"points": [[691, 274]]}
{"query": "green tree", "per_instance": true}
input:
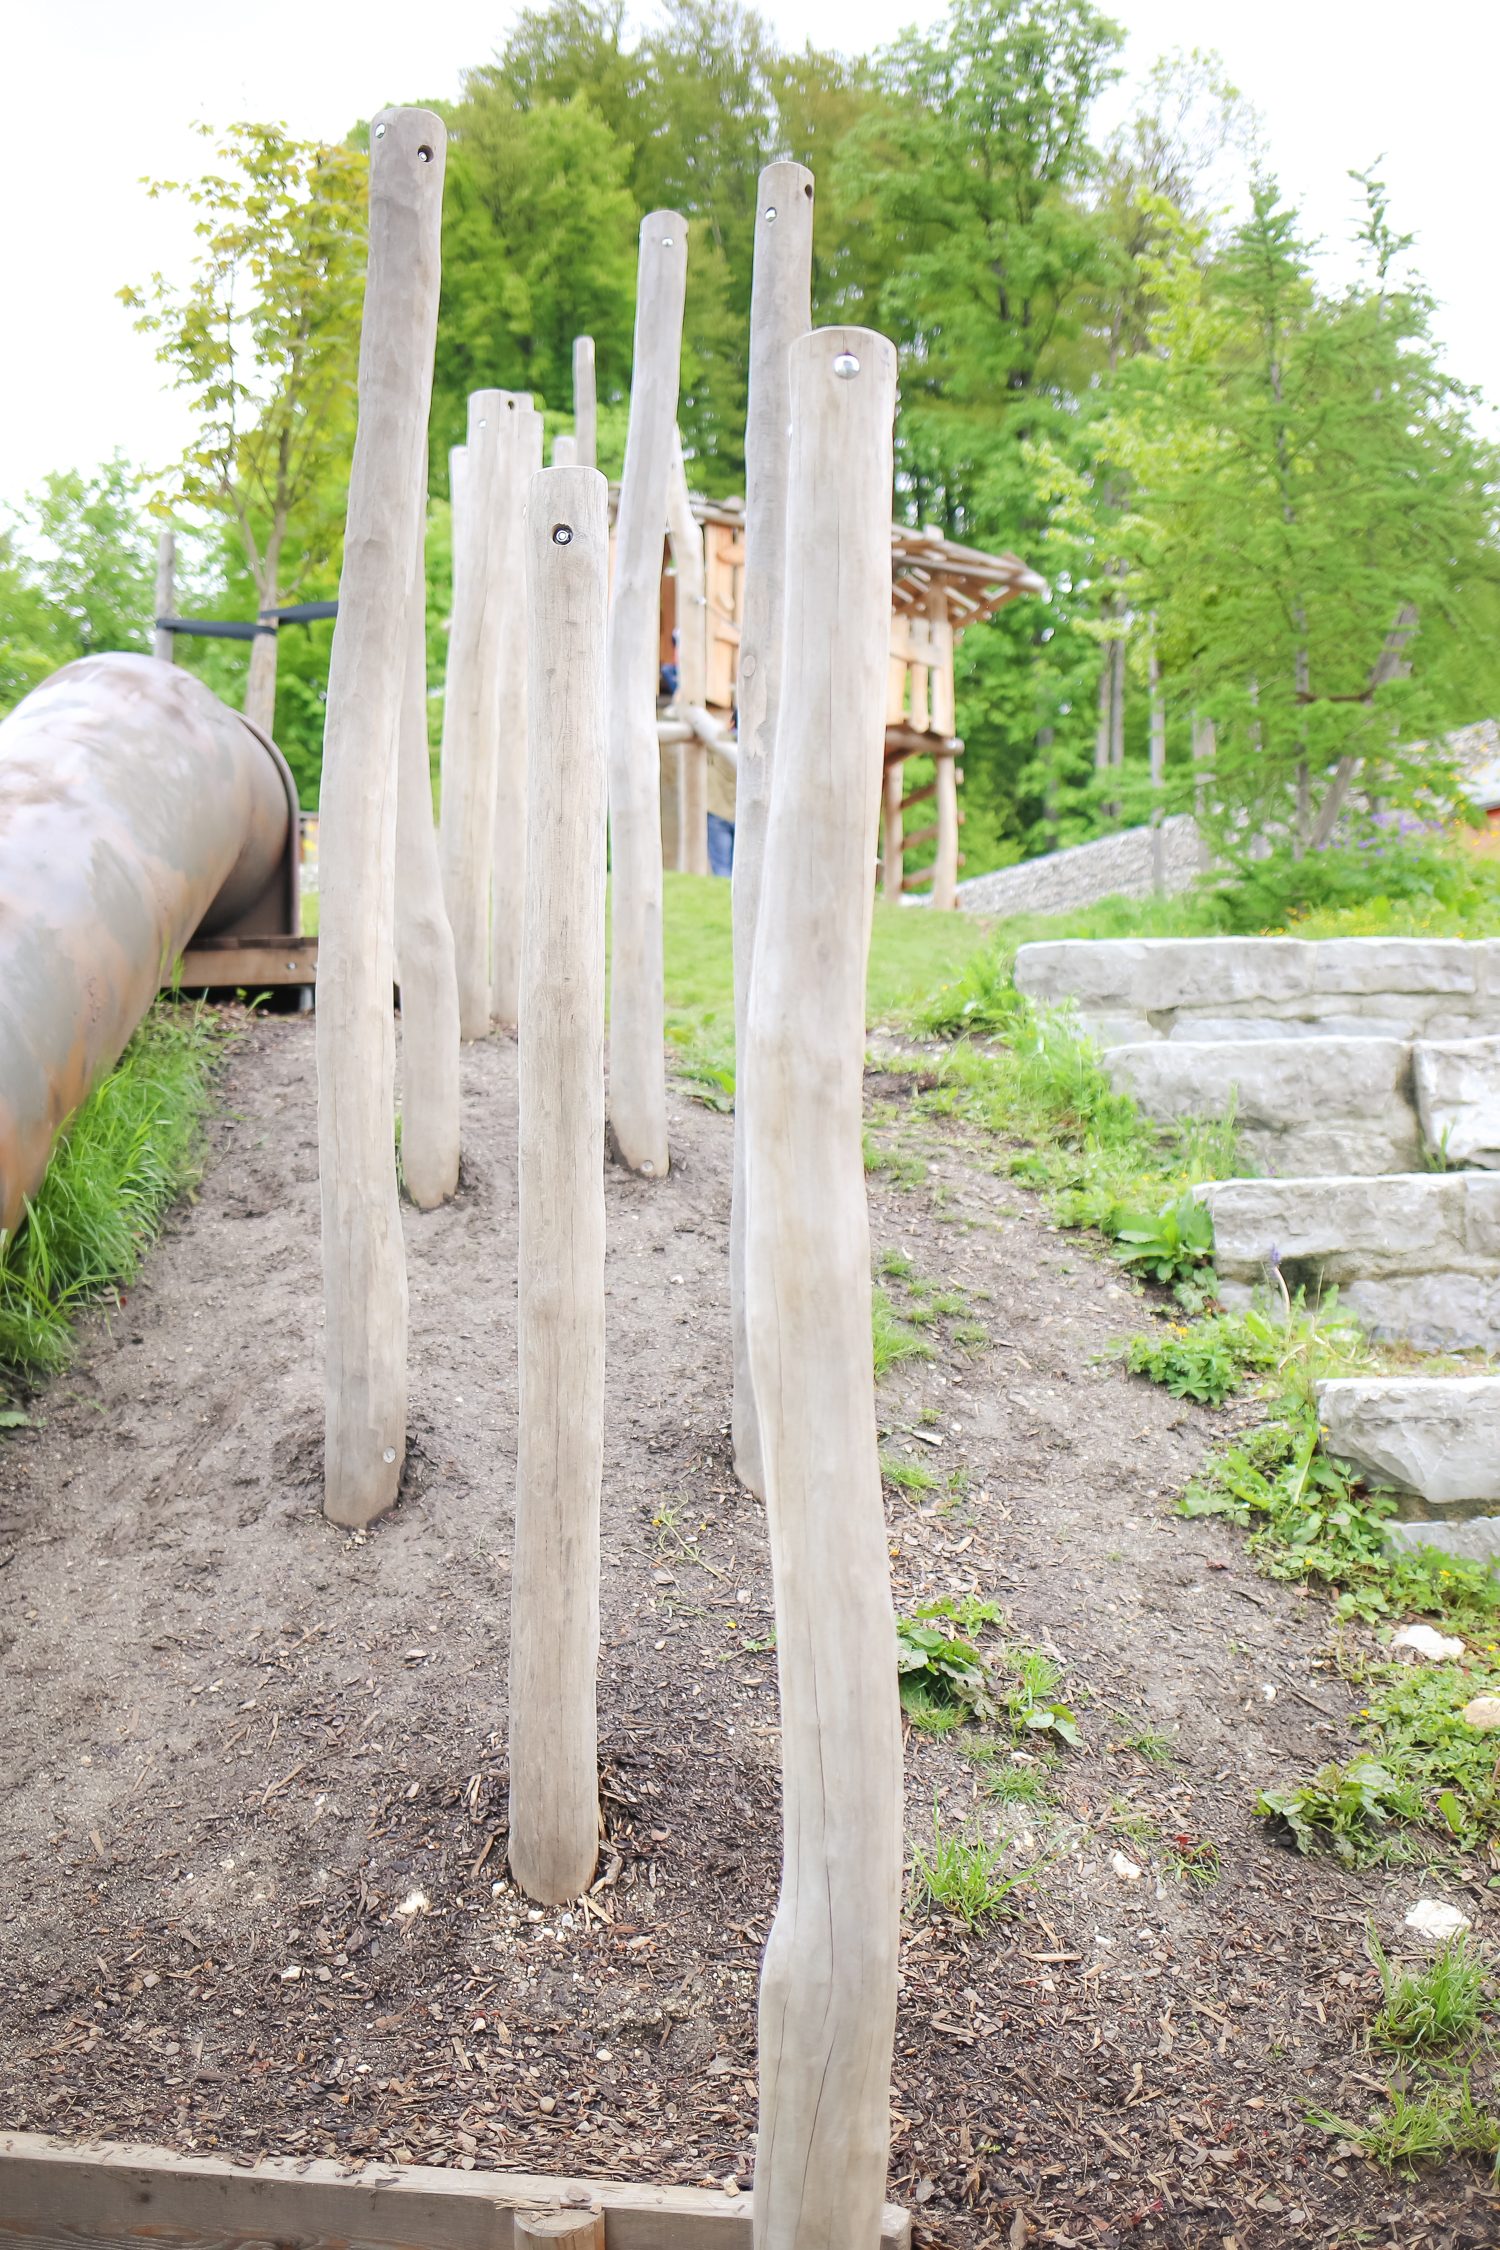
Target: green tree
{"points": [[77, 575], [265, 340], [1312, 520]]}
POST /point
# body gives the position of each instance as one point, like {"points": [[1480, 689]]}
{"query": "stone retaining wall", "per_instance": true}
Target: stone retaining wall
{"points": [[1435, 1436], [1111, 867]]}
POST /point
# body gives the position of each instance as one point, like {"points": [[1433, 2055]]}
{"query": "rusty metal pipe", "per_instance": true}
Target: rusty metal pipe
{"points": [[135, 810]]}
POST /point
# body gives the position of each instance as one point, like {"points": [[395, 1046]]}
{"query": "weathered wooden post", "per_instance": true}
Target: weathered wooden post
{"points": [[585, 412], [554, 1632], [945, 852], [892, 858], [508, 843], [471, 703], [564, 451], [424, 947], [458, 489], [686, 536], [828, 1983], [364, 1266], [637, 1066], [780, 312], [164, 645]]}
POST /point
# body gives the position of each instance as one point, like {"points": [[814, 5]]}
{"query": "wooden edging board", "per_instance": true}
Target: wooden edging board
{"points": [[110, 2195], [253, 961]]}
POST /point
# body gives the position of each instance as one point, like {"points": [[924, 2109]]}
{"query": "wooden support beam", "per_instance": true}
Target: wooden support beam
{"points": [[780, 312], [585, 411], [828, 1981], [364, 1260], [945, 860], [56, 2197], [508, 830]]}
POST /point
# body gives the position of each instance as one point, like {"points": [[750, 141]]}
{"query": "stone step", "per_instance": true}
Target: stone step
{"points": [[1133, 989], [1351, 1106], [1434, 1436], [1415, 1255]]}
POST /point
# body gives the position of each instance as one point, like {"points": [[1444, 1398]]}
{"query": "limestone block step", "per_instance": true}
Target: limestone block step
{"points": [[1131, 989], [1435, 1436], [1476, 1537], [1416, 1255], [1301, 1105], [1458, 1099]]}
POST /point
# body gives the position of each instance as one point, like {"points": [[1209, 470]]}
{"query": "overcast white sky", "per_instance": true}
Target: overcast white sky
{"points": [[112, 89]]}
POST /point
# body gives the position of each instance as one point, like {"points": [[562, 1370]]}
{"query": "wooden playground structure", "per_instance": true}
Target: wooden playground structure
{"points": [[938, 587]]}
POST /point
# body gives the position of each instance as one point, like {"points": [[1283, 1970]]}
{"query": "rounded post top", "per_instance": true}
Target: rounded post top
{"points": [[846, 357], [780, 190], [407, 145], [666, 230]]}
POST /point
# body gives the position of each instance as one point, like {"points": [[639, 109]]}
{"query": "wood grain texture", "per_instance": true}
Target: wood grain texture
{"points": [[828, 1980], [637, 1064], [585, 411], [424, 948], [364, 1262], [686, 538], [780, 312], [113, 2196], [945, 856], [558, 2230], [554, 1632], [891, 840], [471, 702], [508, 840]]}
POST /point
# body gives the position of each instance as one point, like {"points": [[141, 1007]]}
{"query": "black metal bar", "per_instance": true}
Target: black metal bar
{"points": [[210, 629], [306, 613]]}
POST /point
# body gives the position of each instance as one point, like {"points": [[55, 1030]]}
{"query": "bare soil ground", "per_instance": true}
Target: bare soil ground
{"points": [[254, 1815]]}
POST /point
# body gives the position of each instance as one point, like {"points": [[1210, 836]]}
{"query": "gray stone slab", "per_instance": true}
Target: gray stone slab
{"points": [[1477, 1540], [1372, 964], [1458, 1098], [1302, 1105], [1438, 1436]]}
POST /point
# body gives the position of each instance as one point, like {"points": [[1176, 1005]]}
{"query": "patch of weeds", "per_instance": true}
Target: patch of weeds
{"points": [[1172, 1244], [906, 1170], [759, 1648], [895, 1265], [1345, 1809], [907, 1474], [963, 1878], [891, 1339], [930, 1709], [1431, 2007], [132, 1148], [675, 1541], [1433, 2118], [704, 1056], [1029, 1701], [919, 1313], [1017, 1779], [1193, 1860], [1128, 1819], [941, 1672], [1159, 1748], [1208, 1360], [928, 1417], [950, 1303], [1414, 1723], [969, 1335]]}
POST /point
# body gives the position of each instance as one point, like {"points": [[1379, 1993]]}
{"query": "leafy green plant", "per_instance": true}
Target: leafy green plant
{"points": [[1169, 1245], [891, 1339], [704, 1057], [963, 1878], [1207, 1360], [1429, 2007], [131, 1149], [941, 1672], [1344, 1808]]}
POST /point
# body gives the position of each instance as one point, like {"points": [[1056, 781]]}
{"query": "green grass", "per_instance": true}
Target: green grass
{"points": [[963, 1878], [1429, 2008], [1433, 2118], [907, 1474], [891, 1339], [131, 1149]]}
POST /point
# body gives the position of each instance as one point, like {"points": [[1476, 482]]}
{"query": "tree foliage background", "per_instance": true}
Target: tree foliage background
{"points": [[1117, 360]]}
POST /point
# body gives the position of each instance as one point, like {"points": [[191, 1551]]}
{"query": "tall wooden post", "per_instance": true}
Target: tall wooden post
{"points": [[508, 847], [945, 851], [424, 946], [637, 1067], [686, 536], [780, 312], [564, 451], [458, 489], [164, 645], [828, 1983], [364, 1265], [584, 408], [554, 1633], [471, 703], [892, 871]]}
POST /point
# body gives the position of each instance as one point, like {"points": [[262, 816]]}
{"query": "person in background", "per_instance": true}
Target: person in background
{"points": [[720, 816]]}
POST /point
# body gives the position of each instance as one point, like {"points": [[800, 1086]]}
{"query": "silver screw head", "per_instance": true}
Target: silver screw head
{"points": [[846, 365], [770, 210], [562, 535]]}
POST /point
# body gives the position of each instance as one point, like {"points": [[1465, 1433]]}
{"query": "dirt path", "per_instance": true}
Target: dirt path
{"points": [[238, 1744]]}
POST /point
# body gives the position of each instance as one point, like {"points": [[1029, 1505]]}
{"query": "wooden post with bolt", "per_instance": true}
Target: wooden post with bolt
{"points": [[828, 1980], [891, 861], [471, 703], [424, 948], [554, 1632], [780, 313], [364, 1264], [637, 1064], [508, 847], [686, 536], [585, 412]]}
